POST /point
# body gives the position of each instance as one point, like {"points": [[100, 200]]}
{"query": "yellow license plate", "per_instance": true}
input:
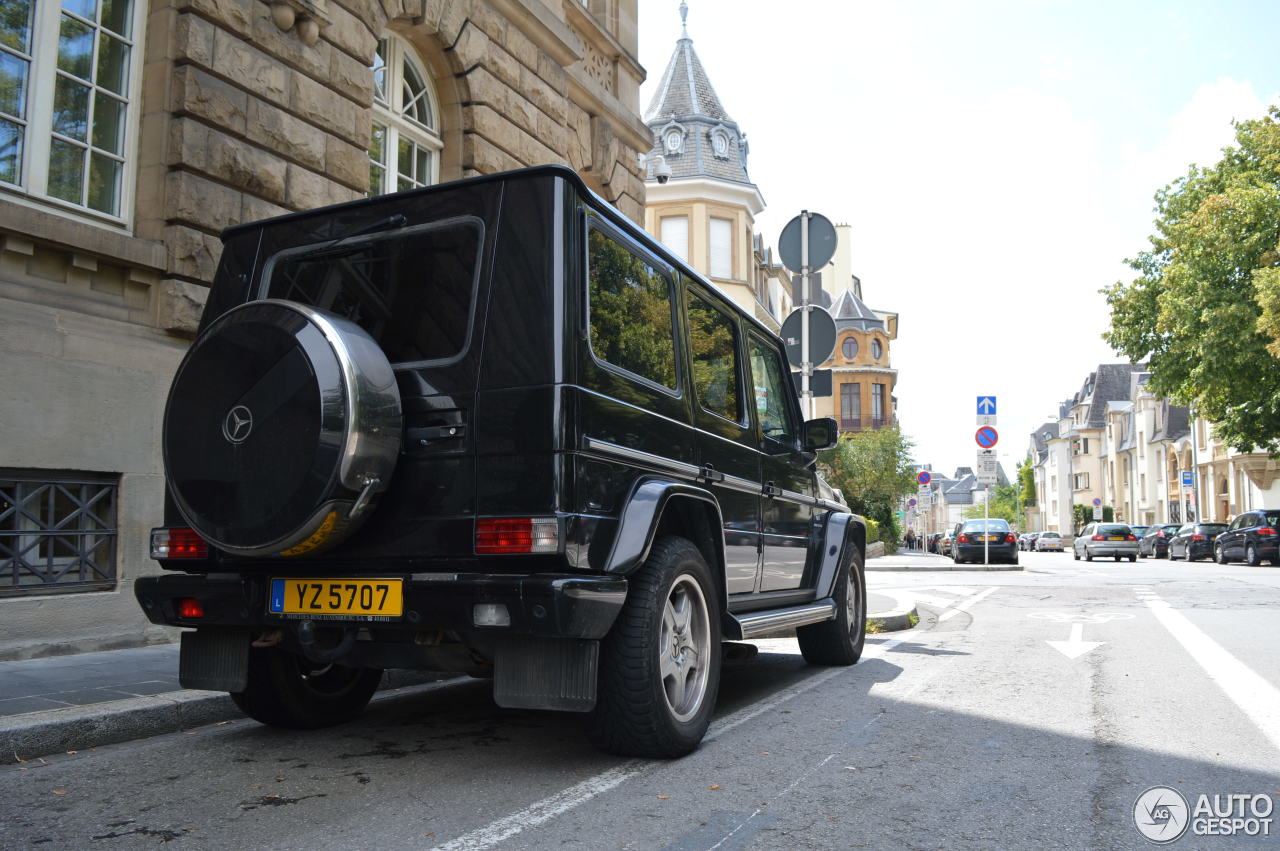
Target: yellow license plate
{"points": [[1115, 539], [349, 598]]}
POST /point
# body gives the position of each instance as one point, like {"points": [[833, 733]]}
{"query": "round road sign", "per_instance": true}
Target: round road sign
{"points": [[822, 336], [923, 477], [822, 242], [986, 437], [1096, 502], [911, 503]]}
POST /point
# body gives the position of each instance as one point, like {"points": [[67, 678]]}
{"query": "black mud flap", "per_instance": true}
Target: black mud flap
{"points": [[214, 660], [546, 673]]}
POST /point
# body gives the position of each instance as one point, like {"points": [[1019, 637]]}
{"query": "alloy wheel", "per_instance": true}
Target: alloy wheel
{"points": [[684, 647]]}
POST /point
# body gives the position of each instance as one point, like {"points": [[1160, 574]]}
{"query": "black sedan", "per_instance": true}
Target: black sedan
{"points": [[1155, 541], [992, 539], [1251, 537], [1195, 541]]}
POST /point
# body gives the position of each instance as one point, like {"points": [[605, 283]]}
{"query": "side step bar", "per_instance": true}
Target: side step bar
{"points": [[755, 624]]}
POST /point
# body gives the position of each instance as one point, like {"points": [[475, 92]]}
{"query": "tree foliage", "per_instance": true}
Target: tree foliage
{"points": [[1205, 307], [1082, 515], [873, 470], [1004, 504], [1027, 477]]}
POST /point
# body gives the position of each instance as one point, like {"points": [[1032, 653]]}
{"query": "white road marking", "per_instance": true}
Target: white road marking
{"points": [[566, 799], [1256, 697], [963, 605], [1075, 646]]}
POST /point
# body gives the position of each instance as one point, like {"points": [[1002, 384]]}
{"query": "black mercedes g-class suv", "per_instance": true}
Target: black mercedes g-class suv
{"points": [[491, 427]]}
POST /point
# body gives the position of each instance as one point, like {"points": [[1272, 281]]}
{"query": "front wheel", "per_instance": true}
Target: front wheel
{"points": [[1219, 555], [840, 641], [1251, 556], [288, 690], [660, 664]]}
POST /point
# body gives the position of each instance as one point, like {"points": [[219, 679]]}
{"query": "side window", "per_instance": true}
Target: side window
{"points": [[714, 353], [769, 386], [630, 305]]}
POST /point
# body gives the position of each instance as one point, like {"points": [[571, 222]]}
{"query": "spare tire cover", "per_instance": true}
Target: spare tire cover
{"points": [[282, 423]]}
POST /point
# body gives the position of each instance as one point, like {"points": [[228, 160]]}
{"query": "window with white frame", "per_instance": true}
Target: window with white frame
{"points": [[1080, 481], [721, 239], [674, 233], [67, 92], [404, 149]]}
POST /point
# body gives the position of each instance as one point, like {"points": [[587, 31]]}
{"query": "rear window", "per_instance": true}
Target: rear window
{"points": [[1272, 518], [413, 290], [1113, 529], [1050, 535], [1212, 528], [993, 525]]}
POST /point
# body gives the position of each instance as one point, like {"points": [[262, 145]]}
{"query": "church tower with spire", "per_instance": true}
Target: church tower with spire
{"points": [[704, 206]]}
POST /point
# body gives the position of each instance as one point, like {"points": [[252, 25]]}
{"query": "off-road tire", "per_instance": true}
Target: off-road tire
{"points": [[287, 690], [840, 641], [633, 715]]}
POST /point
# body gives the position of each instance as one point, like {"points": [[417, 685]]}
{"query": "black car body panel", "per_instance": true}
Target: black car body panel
{"points": [[1195, 540], [1256, 531]]}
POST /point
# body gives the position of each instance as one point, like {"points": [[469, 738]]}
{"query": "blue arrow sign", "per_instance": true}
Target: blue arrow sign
{"points": [[987, 406]]}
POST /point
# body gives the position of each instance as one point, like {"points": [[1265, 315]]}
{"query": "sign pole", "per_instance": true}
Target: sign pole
{"points": [[986, 524], [806, 366]]}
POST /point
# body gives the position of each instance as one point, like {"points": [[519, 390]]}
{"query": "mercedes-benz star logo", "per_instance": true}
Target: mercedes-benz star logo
{"points": [[237, 424]]}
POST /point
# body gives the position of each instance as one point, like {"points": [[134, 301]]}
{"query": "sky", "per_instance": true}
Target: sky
{"points": [[997, 162]]}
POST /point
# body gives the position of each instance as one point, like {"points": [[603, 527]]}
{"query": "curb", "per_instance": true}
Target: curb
{"points": [[894, 621], [28, 736], [905, 568]]}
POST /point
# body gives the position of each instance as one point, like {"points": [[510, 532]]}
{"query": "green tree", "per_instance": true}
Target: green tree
{"points": [[873, 470], [1082, 515], [1027, 476], [1205, 307], [1003, 504]]}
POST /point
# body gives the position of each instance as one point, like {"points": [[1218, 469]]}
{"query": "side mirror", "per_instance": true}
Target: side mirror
{"points": [[820, 434]]}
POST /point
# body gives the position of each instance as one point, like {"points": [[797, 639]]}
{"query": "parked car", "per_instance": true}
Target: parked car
{"points": [[1251, 537], [1195, 540], [1155, 541], [944, 542], [1139, 531], [1105, 539], [492, 427], [1049, 541], [991, 539], [932, 542]]}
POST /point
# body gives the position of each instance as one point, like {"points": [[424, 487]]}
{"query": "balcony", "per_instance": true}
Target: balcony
{"points": [[860, 423]]}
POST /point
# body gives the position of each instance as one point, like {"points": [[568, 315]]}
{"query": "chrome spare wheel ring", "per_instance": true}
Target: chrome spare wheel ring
{"points": [[684, 648]]}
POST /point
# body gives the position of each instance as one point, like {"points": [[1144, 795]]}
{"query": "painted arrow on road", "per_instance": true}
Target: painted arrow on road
{"points": [[1075, 646]]}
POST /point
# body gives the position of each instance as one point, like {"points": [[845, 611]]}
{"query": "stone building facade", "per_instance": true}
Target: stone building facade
{"points": [[133, 131]]}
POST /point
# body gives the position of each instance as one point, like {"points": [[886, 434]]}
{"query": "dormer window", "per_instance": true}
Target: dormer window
{"points": [[720, 143], [672, 139]]}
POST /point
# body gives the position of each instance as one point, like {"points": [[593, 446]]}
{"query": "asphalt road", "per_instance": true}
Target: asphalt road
{"points": [[971, 731]]}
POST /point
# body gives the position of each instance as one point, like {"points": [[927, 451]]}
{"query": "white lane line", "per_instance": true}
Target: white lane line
{"points": [[1256, 697], [565, 800], [964, 604]]}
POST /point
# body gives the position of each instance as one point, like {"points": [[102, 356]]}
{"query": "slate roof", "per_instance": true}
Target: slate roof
{"points": [[686, 100], [849, 311], [1175, 421], [1041, 444], [1110, 382]]}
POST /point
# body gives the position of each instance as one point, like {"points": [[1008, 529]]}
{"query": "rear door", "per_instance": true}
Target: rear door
{"points": [[727, 447], [789, 505]]}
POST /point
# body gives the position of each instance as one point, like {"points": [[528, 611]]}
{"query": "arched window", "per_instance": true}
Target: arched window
{"points": [[876, 349], [849, 348], [404, 151]]}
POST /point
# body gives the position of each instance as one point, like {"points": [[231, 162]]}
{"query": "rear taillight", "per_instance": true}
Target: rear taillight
{"points": [[502, 535], [189, 607], [1133, 538], [1266, 530], [1197, 537], [1097, 538], [963, 539], [1009, 539], [178, 543]]}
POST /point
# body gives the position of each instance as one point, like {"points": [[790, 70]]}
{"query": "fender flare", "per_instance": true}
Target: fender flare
{"points": [[638, 520], [843, 534]]}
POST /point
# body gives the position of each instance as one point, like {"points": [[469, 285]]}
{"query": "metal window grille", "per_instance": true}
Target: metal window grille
{"points": [[57, 532]]}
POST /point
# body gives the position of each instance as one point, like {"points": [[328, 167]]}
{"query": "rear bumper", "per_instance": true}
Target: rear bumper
{"points": [[1104, 549], [995, 552], [548, 605]]}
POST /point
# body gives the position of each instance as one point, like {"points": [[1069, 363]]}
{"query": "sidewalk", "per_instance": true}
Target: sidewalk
{"points": [[64, 703], [908, 560]]}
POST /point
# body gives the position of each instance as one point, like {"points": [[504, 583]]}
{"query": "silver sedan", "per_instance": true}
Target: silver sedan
{"points": [[1098, 540]]}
